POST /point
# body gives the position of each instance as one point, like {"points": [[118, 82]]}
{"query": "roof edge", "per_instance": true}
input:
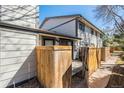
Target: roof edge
{"points": [[34, 30], [78, 15]]}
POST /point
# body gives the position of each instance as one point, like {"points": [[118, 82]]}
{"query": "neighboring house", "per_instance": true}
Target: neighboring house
{"points": [[76, 26], [22, 15]]}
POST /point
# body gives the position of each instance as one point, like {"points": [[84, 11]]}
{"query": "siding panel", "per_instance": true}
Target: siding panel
{"points": [[5, 47], [13, 54], [15, 73], [13, 67], [17, 35], [8, 61], [17, 56], [12, 40], [18, 79]]}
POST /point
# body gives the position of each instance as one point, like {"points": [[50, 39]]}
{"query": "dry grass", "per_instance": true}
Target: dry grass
{"points": [[120, 62]]}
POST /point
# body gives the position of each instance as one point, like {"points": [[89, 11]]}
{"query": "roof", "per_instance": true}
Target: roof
{"points": [[39, 31], [53, 17], [76, 16]]}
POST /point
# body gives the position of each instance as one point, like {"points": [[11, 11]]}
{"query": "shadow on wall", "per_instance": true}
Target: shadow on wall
{"points": [[24, 70]]}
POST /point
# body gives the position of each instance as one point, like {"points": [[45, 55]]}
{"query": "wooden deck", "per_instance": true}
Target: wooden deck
{"points": [[76, 66]]}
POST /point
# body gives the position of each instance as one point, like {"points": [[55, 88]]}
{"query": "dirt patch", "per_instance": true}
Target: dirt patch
{"points": [[78, 81], [117, 77], [33, 83]]}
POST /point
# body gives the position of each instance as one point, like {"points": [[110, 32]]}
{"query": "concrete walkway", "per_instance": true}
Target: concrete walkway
{"points": [[76, 67], [100, 78]]}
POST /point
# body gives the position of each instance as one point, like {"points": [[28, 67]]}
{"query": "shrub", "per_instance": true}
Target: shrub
{"points": [[122, 57], [122, 48]]}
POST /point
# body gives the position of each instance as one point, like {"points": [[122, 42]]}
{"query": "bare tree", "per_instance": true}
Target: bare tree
{"points": [[24, 15], [4, 11], [113, 14]]}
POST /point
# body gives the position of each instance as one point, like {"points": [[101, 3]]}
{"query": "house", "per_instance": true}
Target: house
{"points": [[17, 55], [19, 35], [17, 52], [76, 26]]}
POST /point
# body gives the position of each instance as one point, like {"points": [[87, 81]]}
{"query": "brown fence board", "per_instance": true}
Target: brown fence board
{"points": [[54, 66], [92, 60], [105, 53]]}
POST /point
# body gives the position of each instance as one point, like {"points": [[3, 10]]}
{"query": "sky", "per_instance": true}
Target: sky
{"points": [[58, 10]]}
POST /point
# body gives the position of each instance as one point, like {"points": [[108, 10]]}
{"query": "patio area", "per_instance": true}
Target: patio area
{"points": [[76, 66]]}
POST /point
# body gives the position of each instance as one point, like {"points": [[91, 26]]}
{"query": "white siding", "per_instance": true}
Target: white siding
{"points": [[99, 40], [88, 38], [17, 56]]}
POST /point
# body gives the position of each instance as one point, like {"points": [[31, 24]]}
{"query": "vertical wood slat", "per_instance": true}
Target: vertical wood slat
{"points": [[105, 53], [54, 66], [93, 58], [92, 61], [98, 51]]}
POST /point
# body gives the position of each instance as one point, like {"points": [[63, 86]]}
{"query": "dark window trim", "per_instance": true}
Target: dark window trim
{"points": [[66, 40], [101, 35], [82, 28], [48, 39], [95, 33], [92, 31]]}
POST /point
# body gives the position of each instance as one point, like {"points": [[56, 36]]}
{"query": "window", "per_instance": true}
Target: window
{"points": [[95, 33], [48, 42], [82, 27], [92, 32], [100, 35]]}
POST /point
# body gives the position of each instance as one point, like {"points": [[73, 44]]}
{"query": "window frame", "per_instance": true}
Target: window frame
{"points": [[92, 31], [82, 26]]}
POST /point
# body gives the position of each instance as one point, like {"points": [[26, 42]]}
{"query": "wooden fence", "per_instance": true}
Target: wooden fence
{"points": [[94, 59], [54, 66], [105, 53], [91, 58]]}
